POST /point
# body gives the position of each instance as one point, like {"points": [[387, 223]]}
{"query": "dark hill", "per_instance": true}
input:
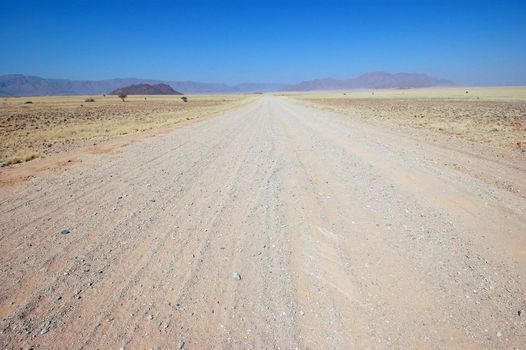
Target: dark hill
{"points": [[146, 89]]}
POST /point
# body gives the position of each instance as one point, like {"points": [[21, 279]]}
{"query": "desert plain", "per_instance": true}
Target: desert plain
{"points": [[347, 219]]}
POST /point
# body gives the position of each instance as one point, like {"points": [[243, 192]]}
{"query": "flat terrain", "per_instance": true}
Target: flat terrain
{"points": [[31, 127], [492, 116], [345, 234]]}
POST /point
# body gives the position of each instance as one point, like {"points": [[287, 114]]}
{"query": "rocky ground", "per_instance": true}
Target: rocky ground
{"points": [[490, 116], [34, 127], [272, 226]]}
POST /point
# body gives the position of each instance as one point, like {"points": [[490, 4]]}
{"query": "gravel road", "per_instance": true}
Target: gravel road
{"points": [[275, 226]]}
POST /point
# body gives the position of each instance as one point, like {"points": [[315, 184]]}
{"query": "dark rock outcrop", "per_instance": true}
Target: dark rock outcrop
{"points": [[146, 89]]}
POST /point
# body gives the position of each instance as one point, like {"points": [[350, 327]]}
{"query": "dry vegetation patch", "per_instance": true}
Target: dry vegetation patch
{"points": [[30, 130], [492, 116]]}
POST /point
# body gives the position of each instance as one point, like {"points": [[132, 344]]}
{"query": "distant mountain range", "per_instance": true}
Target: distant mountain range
{"points": [[146, 89], [22, 85], [373, 80]]}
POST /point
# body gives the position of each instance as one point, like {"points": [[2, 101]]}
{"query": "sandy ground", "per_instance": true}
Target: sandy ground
{"points": [[54, 124], [344, 235], [492, 116]]}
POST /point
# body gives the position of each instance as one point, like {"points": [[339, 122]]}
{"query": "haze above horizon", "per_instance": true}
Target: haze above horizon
{"points": [[469, 42]]}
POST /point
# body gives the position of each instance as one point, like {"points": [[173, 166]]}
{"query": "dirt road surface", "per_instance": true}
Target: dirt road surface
{"points": [[344, 235]]}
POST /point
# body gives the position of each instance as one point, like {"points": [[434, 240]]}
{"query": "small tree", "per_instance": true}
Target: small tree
{"points": [[184, 98], [122, 96]]}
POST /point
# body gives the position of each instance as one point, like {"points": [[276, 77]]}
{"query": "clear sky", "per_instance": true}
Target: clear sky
{"points": [[470, 42]]}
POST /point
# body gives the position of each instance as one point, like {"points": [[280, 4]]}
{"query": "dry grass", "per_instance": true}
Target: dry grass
{"points": [[28, 131], [493, 116]]}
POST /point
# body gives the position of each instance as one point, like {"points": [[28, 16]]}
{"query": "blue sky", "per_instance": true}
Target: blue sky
{"points": [[470, 42]]}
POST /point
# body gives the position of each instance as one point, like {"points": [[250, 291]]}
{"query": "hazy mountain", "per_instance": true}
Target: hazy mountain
{"points": [[259, 87], [318, 84], [383, 80], [204, 88], [22, 85], [192, 87], [146, 89], [373, 80]]}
